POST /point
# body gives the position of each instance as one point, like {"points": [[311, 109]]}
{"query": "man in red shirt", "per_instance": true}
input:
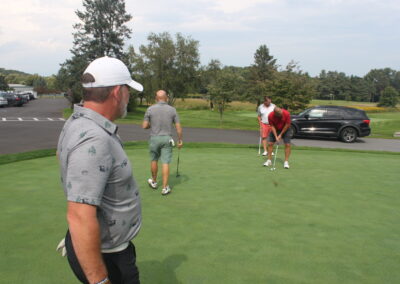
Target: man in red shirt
{"points": [[279, 120]]}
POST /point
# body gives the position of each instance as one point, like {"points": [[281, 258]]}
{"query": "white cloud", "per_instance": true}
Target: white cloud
{"points": [[234, 6], [229, 30]]}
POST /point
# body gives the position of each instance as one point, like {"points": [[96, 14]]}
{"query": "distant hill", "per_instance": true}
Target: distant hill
{"points": [[8, 71]]}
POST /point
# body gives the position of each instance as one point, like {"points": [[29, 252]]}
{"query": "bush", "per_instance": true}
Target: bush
{"points": [[389, 97]]}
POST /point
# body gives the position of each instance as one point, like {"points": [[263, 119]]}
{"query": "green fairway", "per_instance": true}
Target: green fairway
{"points": [[332, 218]]}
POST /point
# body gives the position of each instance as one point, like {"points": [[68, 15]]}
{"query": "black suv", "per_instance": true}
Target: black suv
{"points": [[331, 121]]}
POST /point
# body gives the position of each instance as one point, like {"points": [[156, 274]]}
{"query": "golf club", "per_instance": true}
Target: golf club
{"points": [[259, 146], [276, 154], [177, 166]]}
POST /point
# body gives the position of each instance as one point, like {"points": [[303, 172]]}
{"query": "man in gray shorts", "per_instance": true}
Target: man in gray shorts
{"points": [[160, 119], [103, 204]]}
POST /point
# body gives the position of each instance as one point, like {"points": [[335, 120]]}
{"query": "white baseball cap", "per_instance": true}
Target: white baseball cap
{"points": [[108, 71]]}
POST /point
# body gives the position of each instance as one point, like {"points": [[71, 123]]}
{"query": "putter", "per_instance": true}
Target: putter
{"points": [[276, 154], [177, 166], [259, 147]]}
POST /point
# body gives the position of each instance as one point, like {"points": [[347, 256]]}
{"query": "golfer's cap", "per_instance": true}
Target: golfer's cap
{"points": [[108, 71]]}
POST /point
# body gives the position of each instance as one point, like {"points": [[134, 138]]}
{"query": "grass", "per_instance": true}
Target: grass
{"points": [[332, 218], [241, 115], [384, 125]]}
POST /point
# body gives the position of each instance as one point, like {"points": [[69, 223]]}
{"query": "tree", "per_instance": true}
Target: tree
{"points": [[207, 75], [292, 89], [360, 89], [333, 84], [264, 64], [261, 74], [223, 89], [389, 97], [101, 31], [3, 83], [380, 79], [168, 64]]}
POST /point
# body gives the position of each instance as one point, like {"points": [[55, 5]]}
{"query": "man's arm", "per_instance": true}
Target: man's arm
{"points": [[179, 132], [85, 234], [285, 128], [146, 124], [273, 129]]}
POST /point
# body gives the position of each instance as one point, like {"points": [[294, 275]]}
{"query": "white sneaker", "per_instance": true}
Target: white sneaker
{"points": [[267, 163], [265, 153], [166, 190], [286, 165], [152, 183]]}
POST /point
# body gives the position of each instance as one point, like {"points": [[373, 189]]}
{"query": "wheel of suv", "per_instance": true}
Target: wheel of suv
{"points": [[292, 130], [348, 135]]}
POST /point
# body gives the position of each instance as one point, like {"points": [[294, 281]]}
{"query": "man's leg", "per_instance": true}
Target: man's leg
{"points": [[264, 142], [154, 170], [264, 134], [271, 141], [165, 175], [287, 152], [270, 149], [166, 158], [122, 266], [286, 140], [154, 156]]}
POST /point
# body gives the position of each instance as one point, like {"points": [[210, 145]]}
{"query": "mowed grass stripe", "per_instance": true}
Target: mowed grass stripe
{"points": [[332, 218]]}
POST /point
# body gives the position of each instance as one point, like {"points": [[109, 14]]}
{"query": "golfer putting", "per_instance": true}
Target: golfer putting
{"points": [[160, 118], [280, 121]]}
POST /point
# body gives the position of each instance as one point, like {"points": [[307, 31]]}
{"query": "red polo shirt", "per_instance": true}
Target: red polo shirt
{"points": [[279, 122]]}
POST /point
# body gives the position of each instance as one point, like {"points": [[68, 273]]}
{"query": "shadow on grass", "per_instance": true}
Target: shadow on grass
{"points": [[174, 180], [155, 271]]}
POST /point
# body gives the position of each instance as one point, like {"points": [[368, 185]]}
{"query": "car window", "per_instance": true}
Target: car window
{"points": [[317, 113], [304, 112], [334, 113]]}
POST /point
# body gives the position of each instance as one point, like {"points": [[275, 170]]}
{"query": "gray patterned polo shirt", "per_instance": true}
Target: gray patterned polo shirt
{"points": [[95, 170]]}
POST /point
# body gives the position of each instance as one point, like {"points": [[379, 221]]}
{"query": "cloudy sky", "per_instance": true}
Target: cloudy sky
{"points": [[351, 36]]}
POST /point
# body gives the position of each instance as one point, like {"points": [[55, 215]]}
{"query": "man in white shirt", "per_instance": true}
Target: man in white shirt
{"points": [[263, 111]]}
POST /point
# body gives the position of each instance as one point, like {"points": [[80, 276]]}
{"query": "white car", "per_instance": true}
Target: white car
{"points": [[3, 101]]}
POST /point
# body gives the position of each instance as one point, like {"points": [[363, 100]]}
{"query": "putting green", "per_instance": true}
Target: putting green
{"points": [[332, 218]]}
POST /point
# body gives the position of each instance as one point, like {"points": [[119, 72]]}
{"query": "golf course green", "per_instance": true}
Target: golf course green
{"points": [[333, 217]]}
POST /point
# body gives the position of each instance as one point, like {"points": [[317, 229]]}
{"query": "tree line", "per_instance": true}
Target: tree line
{"points": [[172, 62]]}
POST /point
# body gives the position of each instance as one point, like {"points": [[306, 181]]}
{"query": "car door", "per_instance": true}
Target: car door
{"points": [[312, 124], [333, 121]]}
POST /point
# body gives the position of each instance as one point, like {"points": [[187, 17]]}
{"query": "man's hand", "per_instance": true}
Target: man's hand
{"points": [[180, 144], [278, 138], [61, 248]]}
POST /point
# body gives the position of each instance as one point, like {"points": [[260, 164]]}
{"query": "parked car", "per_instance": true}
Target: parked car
{"points": [[26, 96], [344, 123], [3, 101], [23, 98], [14, 100]]}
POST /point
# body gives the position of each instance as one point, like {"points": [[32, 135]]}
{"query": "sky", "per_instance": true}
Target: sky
{"points": [[351, 36]]}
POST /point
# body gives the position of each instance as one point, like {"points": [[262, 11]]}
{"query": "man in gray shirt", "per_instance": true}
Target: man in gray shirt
{"points": [[103, 204], [160, 119]]}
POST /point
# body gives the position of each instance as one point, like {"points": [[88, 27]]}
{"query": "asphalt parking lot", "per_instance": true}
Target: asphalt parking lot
{"points": [[37, 125]]}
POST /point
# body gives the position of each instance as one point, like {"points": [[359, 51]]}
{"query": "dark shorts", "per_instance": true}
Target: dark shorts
{"points": [[286, 136], [121, 266]]}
